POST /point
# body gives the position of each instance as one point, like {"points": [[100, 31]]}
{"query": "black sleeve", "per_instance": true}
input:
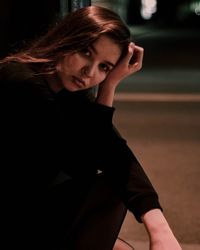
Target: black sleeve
{"points": [[119, 163], [139, 194], [28, 128], [29, 161]]}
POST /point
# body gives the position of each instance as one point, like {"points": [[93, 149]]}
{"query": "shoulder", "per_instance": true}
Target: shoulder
{"points": [[19, 78], [15, 72]]}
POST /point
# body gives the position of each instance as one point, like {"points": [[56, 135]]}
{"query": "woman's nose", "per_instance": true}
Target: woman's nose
{"points": [[88, 70]]}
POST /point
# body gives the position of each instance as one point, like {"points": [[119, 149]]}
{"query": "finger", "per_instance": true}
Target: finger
{"points": [[138, 58], [140, 54], [130, 53], [131, 47], [126, 59]]}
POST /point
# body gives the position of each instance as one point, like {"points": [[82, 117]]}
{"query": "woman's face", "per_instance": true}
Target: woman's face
{"points": [[87, 68]]}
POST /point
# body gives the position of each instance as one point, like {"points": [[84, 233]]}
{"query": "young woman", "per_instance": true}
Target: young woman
{"points": [[68, 175]]}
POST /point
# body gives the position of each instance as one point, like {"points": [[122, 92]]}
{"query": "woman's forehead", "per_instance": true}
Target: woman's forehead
{"points": [[107, 47]]}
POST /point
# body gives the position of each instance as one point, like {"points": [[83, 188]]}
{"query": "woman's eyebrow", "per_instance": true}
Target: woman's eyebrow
{"points": [[95, 52], [93, 49], [109, 63]]}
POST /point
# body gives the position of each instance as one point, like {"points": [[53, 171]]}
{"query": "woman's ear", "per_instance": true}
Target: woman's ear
{"points": [[58, 63], [58, 67]]}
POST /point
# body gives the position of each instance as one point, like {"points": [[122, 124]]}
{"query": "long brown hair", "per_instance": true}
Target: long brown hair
{"points": [[77, 30]]}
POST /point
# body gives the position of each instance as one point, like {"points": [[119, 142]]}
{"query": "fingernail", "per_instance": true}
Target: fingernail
{"points": [[131, 47]]}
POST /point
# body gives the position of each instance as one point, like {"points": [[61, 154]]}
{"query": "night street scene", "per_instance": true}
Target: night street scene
{"points": [[157, 109]]}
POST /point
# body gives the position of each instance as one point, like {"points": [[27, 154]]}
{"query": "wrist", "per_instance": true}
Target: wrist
{"points": [[105, 94], [108, 86], [160, 234], [156, 224]]}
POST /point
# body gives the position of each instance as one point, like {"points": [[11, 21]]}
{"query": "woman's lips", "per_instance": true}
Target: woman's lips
{"points": [[80, 82]]}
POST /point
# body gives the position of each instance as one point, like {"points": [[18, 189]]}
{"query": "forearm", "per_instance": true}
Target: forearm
{"points": [[160, 234], [122, 70], [155, 222], [105, 95]]}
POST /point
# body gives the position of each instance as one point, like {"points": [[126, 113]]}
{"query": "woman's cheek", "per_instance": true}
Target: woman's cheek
{"points": [[101, 78], [78, 60]]}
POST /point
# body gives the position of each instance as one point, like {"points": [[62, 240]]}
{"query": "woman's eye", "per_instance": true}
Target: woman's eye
{"points": [[104, 67], [86, 52]]}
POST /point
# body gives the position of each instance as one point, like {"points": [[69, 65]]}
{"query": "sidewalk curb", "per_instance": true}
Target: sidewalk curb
{"points": [[156, 97]]}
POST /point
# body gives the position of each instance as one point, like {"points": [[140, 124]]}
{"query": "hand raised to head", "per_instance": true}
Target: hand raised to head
{"points": [[129, 64]]}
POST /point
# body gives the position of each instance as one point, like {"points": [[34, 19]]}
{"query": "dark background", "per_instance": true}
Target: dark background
{"points": [[165, 135], [23, 20]]}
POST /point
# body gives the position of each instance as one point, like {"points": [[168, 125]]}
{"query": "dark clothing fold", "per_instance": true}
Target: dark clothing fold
{"points": [[53, 145]]}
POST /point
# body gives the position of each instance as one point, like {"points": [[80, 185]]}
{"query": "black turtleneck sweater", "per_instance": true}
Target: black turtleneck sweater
{"points": [[45, 133]]}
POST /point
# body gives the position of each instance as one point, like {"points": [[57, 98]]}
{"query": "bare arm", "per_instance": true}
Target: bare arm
{"points": [[123, 69], [160, 234]]}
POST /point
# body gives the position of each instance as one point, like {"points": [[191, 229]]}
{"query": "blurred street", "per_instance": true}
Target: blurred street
{"points": [[157, 109], [158, 112]]}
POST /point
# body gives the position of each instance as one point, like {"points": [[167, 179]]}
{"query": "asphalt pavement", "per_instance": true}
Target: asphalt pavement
{"points": [[158, 112], [165, 137]]}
